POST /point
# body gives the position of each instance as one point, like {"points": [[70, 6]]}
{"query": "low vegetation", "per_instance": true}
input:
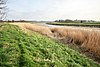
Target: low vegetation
{"points": [[19, 49]]}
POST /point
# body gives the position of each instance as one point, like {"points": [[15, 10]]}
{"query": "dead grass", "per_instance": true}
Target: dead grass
{"points": [[89, 39], [34, 27]]}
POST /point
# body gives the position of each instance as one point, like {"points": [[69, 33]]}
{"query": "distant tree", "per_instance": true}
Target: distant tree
{"points": [[3, 9], [59, 20], [81, 21], [56, 21], [68, 20]]}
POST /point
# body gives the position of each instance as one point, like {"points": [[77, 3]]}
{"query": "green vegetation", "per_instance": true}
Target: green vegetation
{"points": [[18, 49], [85, 24]]}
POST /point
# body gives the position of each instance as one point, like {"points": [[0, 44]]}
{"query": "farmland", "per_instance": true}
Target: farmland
{"points": [[31, 49]]}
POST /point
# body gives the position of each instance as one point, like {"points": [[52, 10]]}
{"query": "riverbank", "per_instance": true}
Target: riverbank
{"points": [[76, 24], [81, 39], [26, 48]]}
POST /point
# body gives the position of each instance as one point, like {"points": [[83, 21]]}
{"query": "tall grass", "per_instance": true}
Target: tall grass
{"points": [[87, 38], [34, 27]]}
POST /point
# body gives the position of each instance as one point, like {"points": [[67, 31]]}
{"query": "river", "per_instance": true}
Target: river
{"points": [[72, 27]]}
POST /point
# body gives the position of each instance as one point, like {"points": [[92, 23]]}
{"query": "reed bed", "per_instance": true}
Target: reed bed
{"points": [[87, 38]]}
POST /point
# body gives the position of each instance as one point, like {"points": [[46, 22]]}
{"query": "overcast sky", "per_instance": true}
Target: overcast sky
{"points": [[53, 9]]}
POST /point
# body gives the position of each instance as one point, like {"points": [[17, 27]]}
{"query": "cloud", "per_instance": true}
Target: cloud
{"points": [[54, 9]]}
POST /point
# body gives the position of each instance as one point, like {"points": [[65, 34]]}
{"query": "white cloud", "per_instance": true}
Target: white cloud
{"points": [[56, 9]]}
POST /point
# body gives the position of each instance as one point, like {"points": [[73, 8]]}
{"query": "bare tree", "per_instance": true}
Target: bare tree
{"points": [[3, 9]]}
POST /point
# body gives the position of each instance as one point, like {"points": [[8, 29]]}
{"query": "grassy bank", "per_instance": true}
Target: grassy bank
{"points": [[76, 24], [18, 49]]}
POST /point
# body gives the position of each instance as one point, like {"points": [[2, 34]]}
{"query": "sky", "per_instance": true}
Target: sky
{"points": [[50, 10]]}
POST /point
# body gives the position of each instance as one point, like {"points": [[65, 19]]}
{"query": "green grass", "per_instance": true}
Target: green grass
{"points": [[18, 49], [95, 24]]}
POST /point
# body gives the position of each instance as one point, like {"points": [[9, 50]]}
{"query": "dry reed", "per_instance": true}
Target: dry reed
{"points": [[89, 39], [34, 27]]}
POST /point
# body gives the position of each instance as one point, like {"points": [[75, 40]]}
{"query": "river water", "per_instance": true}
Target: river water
{"points": [[72, 27], [47, 25]]}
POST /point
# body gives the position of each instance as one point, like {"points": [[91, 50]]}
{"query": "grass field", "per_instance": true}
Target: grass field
{"points": [[19, 49], [95, 24]]}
